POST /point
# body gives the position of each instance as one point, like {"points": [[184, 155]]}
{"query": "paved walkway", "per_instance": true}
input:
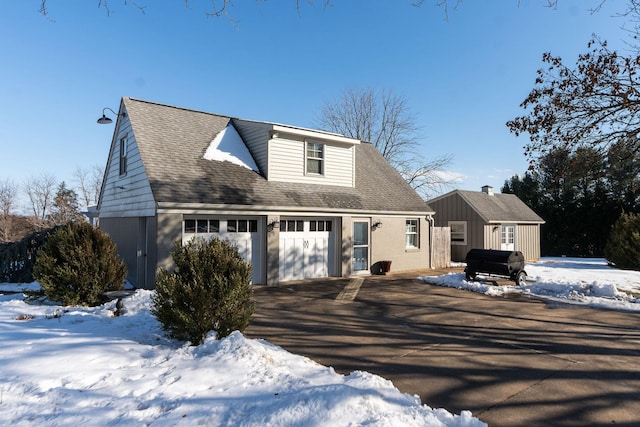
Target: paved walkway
{"points": [[512, 362]]}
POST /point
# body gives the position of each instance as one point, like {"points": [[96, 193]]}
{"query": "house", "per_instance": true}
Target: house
{"points": [[485, 220], [298, 203]]}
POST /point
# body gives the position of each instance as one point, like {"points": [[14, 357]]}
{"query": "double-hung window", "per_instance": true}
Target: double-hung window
{"points": [[315, 158], [411, 233]]}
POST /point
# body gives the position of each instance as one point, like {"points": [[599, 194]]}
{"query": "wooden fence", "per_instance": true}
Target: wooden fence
{"points": [[441, 256]]}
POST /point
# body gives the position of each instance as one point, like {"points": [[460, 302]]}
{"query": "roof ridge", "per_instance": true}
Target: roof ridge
{"points": [[159, 104]]}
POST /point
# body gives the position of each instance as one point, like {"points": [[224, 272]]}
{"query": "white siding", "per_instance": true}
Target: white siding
{"points": [[287, 163], [130, 194]]}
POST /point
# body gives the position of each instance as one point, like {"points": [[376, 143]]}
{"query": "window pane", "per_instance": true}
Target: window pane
{"points": [[312, 225], [214, 226], [283, 225], [291, 225], [314, 166], [360, 235], [242, 226], [232, 225], [202, 226], [328, 226], [320, 225], [253, 225], [189, 225], [299, 225]]}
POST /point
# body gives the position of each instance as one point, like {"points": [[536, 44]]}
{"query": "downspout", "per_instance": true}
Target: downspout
{"points": [[431, 223]]}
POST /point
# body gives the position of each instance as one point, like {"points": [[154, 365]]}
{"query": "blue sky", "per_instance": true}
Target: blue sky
{"points": [[463, 77]]}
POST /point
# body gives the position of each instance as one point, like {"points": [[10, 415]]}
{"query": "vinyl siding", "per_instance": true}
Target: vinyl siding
{"points": [[287, 163], [256, 137], [454, 208], [528, 241], [128, 195]]}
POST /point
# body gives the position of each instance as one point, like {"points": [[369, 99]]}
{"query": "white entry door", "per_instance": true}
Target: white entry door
{"points": [[306, 248], [508, 237]]}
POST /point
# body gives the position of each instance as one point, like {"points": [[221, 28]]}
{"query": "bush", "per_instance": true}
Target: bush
{"points": [[210, 290], [77, 264], [623, 245]]}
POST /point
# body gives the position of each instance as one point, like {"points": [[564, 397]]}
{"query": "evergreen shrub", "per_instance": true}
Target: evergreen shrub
{"points": [[210, 290], [77, 264], [623, 245]]}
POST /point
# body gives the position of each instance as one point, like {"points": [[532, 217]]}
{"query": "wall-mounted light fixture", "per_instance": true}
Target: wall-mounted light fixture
{"points": [[272, 223], [104, 120], [376, 224], [495, 228]]}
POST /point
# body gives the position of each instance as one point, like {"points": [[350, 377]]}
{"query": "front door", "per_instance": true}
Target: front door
{"points": [[508, 237], [360, 246]]}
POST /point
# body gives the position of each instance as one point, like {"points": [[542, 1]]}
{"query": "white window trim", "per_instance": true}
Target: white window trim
{"points": [[416, 233], [464, 225], [321, 159]]}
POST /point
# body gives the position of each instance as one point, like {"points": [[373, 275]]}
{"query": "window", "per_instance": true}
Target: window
{"points": [[315, 158], [123, 156], [411, 233], [201, 226], [242, 225], [292, 225], [458, 232], [319, 225]]}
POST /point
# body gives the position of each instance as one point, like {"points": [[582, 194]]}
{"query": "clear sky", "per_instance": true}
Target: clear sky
{"points": [[463, 77]]}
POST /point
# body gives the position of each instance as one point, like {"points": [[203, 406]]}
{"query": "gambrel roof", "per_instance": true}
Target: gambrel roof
{"points": [[496, 208], [172, 141]]}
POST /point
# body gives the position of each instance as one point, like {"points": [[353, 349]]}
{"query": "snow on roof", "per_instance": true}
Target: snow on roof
{"points": [[229, 146]]}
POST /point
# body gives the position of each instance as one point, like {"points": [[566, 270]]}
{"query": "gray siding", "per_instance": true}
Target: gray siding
{"points": [[130, 194], [256, 137], [454, 208], [528, 241]]}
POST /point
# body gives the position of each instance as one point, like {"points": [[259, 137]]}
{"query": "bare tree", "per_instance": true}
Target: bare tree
{"points": [[8, 199], [40, 191], [594, 104], [385, 120], [89, 182]]}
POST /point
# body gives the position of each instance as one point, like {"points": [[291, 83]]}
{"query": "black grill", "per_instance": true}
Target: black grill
{"points": [[495, 263]]}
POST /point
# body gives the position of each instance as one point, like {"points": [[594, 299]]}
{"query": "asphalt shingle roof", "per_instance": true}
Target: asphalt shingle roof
{"points": [[172, 142], [499, 207]]}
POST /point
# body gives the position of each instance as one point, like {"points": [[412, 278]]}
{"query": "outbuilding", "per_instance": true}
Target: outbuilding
{"points": [[488, 220]]}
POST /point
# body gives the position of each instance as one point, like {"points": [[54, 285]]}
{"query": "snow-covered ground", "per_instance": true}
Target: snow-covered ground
{"points": [[72, 366], [585, 281]]}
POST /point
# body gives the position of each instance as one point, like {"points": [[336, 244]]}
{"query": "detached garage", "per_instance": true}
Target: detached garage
{"points": [[298, 203]]}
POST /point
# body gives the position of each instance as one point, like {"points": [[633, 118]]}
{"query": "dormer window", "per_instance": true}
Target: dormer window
{"points": [[315, 158]]}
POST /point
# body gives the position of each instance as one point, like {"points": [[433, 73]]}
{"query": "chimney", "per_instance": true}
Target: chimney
{"points": [[487, 189]]}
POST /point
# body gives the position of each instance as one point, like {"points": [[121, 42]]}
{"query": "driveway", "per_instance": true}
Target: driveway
{"points": [[512, 362]]}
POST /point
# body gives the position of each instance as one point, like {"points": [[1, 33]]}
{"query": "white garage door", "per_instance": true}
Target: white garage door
{"points": [[306, 248], [239, 231]]}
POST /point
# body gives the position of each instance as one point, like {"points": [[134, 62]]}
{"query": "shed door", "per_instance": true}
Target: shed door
{"points": [[306, 248], [508, 237]]}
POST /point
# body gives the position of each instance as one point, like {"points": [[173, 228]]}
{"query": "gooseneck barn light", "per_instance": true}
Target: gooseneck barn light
{"points": [[104, 120]]}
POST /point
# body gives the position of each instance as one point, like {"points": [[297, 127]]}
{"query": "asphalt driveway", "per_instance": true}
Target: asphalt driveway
{"points": [[512, 362]]}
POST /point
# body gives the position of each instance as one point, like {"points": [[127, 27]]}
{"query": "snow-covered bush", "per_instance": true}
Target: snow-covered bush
{"points": [[623, 245], [210, 290], [77, 264]]}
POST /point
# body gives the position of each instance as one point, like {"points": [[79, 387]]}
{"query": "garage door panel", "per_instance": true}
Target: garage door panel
{"points": [[305, 254]]}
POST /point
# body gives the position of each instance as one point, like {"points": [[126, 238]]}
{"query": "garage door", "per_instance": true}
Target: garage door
{"points": [[306, 248], [240, 231]]}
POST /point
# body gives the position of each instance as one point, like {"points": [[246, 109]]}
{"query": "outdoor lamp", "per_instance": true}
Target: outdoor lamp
{"points": [[104, 120]]}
